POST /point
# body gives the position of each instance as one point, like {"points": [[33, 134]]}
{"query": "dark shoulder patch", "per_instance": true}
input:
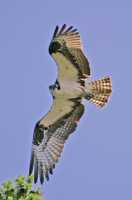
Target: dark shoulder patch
{"points": [[38, 134]]}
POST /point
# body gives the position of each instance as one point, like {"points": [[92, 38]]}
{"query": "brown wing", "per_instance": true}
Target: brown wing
{"points": [[82, 61], [48, 144], [72, 39], [70, 35]]}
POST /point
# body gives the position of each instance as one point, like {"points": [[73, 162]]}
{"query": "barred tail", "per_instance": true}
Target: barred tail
{"points": [[100, 91]]}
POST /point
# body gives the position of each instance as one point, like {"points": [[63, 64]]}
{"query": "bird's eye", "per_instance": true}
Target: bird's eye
{"points": [[54, 47]]}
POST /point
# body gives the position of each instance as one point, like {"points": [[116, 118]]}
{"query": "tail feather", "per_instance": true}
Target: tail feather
{"points": [[100, 90], [99, 100]]}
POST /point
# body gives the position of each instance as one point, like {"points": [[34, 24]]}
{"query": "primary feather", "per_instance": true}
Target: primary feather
{"points": [[48, 143]]}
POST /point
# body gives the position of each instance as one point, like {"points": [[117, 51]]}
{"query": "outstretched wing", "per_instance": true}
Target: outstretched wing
{"points": [[70, 57], [48, 142]]}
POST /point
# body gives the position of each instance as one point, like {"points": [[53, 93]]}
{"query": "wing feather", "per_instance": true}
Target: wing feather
{"points": [[55, 31], [62, 29], [47, 153], [82, 61], [36, 171], [72, 52], [70, 36], [68, 29]]}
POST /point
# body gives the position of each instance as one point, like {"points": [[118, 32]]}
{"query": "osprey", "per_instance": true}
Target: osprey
{"points": [[72, 85]]}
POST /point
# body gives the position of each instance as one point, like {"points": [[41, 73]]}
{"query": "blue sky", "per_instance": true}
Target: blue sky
{"points": [[97, 159]]}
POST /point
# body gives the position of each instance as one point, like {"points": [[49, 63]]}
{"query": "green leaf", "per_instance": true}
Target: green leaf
{"points": [[20, 189]]}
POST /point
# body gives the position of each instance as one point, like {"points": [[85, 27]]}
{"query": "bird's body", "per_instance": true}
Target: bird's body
{"points": [[73, 84], [69, 90]]}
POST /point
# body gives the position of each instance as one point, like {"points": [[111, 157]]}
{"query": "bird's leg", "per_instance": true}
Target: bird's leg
{"points": [[57, 84], [52, 88]]}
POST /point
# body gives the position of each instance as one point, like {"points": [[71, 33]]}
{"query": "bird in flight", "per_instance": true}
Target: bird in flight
{"points": [[73, 84]]}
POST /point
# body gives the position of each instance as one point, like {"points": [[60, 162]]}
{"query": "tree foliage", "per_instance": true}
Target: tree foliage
{"points": [[20, 189]]}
